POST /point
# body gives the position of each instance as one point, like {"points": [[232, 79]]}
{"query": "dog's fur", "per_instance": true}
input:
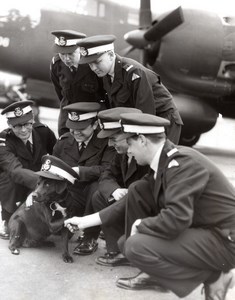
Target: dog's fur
{"points": [[30, 226]]}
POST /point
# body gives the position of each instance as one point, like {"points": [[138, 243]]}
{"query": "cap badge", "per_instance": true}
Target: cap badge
{"points": [[100, 124], [74, 116], [83, 51], [18, 112], [46, 166], [62, 41]]}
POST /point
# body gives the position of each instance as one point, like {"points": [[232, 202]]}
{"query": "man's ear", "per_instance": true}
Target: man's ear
{"points": [[95, 125], [60, 186], [142, 139]]}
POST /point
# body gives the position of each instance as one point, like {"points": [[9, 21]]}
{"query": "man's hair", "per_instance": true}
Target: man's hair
{"points": [[154, 138]]}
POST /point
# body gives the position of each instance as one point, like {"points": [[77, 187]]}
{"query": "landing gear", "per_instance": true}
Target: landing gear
{"points": [[189, 140]]}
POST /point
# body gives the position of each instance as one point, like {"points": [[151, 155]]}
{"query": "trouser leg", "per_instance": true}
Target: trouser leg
{"points": [[111, 232], [139, 203], [183, 263], [91, 232]]}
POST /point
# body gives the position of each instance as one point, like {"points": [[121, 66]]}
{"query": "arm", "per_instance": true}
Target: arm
{"points": [[14, 169], [97, 164], [184, 186], [82, 223]]}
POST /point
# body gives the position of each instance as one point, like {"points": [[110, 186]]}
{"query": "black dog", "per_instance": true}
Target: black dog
{"points": [[30, 226]]}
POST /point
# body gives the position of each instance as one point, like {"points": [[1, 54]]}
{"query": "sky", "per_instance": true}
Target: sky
{"points": [[158, 6]]}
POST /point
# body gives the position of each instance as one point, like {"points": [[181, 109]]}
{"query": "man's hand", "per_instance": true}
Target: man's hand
{"points": [[134, 228], [119, 194], [72, 224]]}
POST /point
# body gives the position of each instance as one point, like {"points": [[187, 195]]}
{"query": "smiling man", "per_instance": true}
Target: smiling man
{"points": [[88, 156], [21, 147]]}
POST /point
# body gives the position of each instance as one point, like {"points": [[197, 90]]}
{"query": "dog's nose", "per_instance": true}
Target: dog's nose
{"points": [[35, 196]]}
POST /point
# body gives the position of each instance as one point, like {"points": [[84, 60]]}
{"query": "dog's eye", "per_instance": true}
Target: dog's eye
{"points": [[47, 185]]}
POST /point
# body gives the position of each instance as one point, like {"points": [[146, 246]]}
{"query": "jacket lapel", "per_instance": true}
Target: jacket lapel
{"points": [[131, 169], [163, 161]]}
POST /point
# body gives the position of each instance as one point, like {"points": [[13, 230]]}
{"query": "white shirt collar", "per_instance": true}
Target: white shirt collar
{"points": [[156, 158]]}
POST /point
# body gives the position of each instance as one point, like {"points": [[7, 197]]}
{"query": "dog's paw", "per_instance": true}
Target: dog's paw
{"points": [[15, 251], [67, 258]]}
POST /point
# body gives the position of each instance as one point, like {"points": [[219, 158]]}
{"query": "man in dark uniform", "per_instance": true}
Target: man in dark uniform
{"points": [[128, 83], [114, 181], [89, 156], [180, 229], [21, 147], [72, 82]]}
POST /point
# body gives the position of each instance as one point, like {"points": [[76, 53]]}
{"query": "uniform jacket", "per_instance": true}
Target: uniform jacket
{"points": [[94, 159], [136, 86], [81, 86], [189, 191], [120, 175], [17, 164]]}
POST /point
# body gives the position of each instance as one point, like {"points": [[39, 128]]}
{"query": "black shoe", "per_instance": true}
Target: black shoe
{"points": [[86, 247], [112, 259], [139, 282], [217, 290]]}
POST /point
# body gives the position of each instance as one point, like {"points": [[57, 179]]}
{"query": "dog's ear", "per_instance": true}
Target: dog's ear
{"points": [[60, 186]]}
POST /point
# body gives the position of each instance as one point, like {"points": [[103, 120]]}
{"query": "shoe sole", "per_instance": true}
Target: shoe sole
{"points": [[117, 264], [143, 287]]}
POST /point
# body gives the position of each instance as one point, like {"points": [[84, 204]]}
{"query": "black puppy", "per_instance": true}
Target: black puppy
{"points": [[30, 226]]}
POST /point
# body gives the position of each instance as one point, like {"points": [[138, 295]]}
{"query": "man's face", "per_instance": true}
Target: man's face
{"points": [[118, 141], [71, 59], [136, 148], [102, 65], [82, 135], [23, 131]]}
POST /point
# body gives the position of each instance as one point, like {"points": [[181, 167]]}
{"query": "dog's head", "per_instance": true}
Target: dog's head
{"points": [[55, 175], [48, 188]]}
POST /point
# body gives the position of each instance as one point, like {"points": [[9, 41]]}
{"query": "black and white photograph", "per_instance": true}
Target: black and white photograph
{"points": [[117, 150]]}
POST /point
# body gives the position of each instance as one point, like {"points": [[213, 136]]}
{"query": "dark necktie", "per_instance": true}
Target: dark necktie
{"points": [[81, 148], [29, 146]]}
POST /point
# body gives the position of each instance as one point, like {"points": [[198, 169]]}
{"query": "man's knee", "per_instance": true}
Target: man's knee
{"points": [[138, 186], [133, 248], [98, 201]]}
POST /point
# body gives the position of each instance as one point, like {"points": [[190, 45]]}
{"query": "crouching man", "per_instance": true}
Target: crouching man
{"points": [[180, 229]]}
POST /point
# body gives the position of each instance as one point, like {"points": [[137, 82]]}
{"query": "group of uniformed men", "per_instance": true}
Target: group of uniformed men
{"points": [[163, 208]]}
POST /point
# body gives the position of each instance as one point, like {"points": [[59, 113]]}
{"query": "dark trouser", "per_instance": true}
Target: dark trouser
{"points": [[112, 233], [5, 215], [179, 264], [80, 203]]}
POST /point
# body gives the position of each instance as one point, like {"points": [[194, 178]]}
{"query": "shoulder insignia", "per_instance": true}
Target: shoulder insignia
{"points": [[134, 77], [172, 151], [55, 59], [63, 136], [173, 163], [127, 67], [2, 142]]}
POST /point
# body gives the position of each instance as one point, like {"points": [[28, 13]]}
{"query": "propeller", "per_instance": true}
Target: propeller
{"points": [[148, 36]]}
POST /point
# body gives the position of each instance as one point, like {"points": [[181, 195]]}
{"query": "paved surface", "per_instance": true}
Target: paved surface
{"points": [[41, 274]]}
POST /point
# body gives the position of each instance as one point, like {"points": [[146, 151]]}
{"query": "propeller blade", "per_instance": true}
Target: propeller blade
{"points": [[164, 26], [145, 15]]}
